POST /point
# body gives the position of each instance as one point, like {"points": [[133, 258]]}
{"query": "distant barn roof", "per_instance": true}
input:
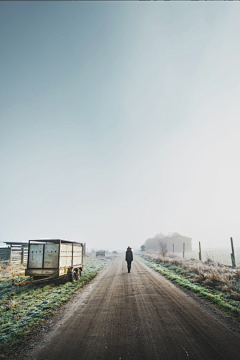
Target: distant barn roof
{"points": [[16, 243]]}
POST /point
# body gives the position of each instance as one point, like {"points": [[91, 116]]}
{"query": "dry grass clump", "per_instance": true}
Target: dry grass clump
{"points": [[156, 257], [176, 261], [234, 296], [212, 278], [209, 262], [3, 266], [237, 274], [227, 288], [11, 304]]}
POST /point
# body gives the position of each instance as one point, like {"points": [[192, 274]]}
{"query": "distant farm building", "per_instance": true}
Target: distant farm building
{"points": [[173, 242]]}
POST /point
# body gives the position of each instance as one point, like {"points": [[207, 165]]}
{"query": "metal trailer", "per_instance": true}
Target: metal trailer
{"points": [[54, 258]]}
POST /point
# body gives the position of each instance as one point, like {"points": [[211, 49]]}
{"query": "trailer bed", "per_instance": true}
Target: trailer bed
{"points": [[54, 257]]}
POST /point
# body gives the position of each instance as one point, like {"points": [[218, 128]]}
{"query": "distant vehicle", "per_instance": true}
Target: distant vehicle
{"points": [[115, 252], [100, 253], [54, 258], [143, 248]]}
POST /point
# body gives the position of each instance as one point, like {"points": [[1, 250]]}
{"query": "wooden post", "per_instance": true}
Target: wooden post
{"points": [[72, 254], [10, 256], [22, 255], [173, 248], [200, 251], [183, 249], [25, 255], [233, 254]]}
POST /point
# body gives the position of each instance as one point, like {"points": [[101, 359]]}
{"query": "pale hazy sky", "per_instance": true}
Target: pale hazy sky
{"points": [[119, 120]]}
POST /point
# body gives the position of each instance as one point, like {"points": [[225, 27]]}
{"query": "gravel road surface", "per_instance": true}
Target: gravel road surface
{"points": [[140, 315]]}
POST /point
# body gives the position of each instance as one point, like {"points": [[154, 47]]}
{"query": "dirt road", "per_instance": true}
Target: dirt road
{"points": [[139, 315]]}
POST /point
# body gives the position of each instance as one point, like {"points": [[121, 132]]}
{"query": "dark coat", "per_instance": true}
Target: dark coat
{"points": [[129, 256]]}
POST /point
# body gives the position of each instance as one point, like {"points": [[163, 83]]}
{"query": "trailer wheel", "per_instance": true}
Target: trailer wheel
{"points": [[78, 274], [72, 276]]}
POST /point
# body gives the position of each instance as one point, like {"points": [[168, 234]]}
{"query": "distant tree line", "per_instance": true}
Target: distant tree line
{"points": [[168, 243]]}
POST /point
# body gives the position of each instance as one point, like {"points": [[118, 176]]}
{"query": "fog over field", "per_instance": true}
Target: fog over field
{"points": [[119, 120]]}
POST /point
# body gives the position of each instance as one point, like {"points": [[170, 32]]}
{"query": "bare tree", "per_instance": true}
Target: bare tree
{"points": [[163, 248]]}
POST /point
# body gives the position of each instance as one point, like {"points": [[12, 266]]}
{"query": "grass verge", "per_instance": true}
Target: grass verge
{"points": [[185, 278], [23, 308]]}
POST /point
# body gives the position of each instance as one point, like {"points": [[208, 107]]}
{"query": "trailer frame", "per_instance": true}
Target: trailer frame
{"points": [[40, 272]]}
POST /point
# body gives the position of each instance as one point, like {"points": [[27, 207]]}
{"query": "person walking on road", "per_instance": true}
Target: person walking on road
{"points": [[129, 258]]}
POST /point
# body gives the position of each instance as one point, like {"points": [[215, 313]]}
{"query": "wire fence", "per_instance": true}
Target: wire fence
{"points": [[219, 251]]}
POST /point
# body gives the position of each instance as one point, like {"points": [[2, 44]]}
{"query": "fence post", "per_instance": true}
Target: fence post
{"points": [[25, 259], [233, 254], [200, 251], [22, 255], [10, 256], [183, 249], [173, 248]]}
